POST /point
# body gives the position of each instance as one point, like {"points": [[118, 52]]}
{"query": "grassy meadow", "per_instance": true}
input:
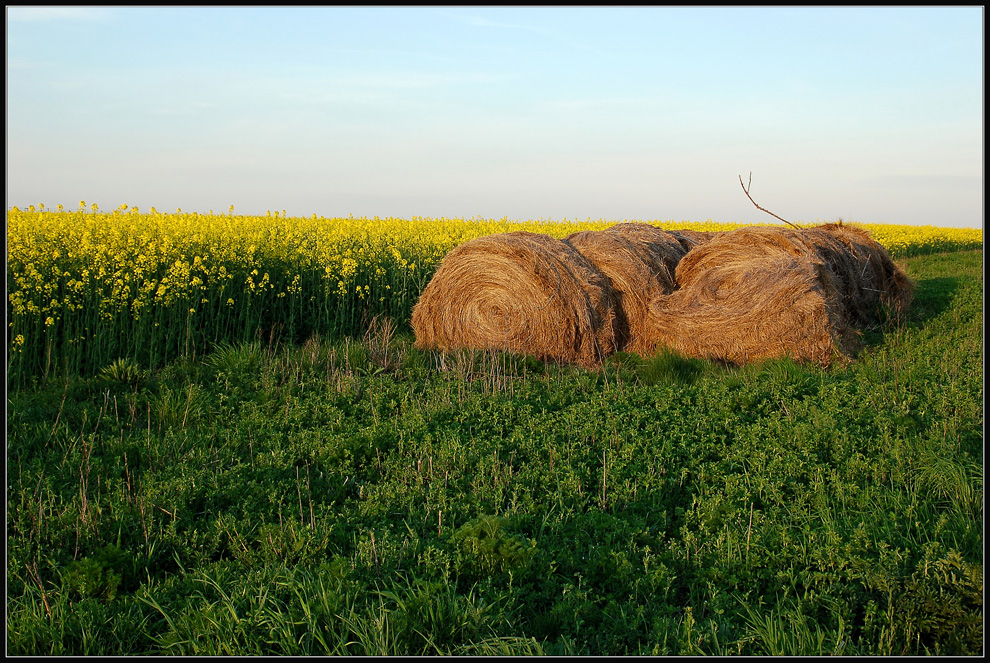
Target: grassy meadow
{"points": [[221, 441]]}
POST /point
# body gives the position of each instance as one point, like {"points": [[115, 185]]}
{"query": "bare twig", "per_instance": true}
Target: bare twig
{"points": [[746, 191]]}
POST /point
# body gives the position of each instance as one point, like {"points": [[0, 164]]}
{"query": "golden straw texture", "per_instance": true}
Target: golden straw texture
{"points": [[761, 292], [518, 291]]}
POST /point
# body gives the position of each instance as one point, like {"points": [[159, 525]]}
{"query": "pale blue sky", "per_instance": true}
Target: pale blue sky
{"points": [[868, 114]]}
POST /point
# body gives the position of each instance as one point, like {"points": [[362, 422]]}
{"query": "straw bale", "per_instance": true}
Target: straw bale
{"points": [[523, 292], [693, 238], [644, 232], [662, 249], [748, 294], [866, 276], [639, 261], [635, 274], [754, 293], [743, 245]]}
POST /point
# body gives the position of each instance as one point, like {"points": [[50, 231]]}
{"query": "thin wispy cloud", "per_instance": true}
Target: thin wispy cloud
{"points": [[480, 22], [396, 53], [597, 104]]}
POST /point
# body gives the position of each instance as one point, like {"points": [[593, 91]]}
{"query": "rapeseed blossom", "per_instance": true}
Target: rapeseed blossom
{"points": [[86, 287]]}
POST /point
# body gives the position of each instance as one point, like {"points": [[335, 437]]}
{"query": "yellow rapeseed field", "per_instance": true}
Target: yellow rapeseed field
{"points": [[85, 287]]}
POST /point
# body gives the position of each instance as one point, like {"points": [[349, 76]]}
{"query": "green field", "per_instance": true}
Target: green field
{"points": [[358, 496]]}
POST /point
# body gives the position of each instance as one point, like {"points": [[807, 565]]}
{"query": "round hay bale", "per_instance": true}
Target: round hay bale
{"points": [[778, 307], [750, 294], [742, 245], [637, 271], [693, 238], [523, 292], [662, 250], [866, 276], [646, 233], [640, 260]]}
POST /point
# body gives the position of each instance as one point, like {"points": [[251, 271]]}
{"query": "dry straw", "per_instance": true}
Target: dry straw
{"points": [[865, 274], [693, 238], [519, 291], [762, 292], [739, 296], [639, 261]]}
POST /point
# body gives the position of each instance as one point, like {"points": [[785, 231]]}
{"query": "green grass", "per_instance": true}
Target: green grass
{"points": [[358, 496]]}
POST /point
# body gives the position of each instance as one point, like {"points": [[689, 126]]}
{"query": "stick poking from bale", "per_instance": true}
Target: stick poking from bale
{"points": [[845, 249], [519, 291], [762, 209]]}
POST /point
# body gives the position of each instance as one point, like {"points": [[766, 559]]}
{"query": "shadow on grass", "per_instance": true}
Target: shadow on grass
{"points": [[667, 366], [932, 298]]}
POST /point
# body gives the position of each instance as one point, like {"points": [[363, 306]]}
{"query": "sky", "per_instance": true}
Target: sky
{"points": [[872, 115]]}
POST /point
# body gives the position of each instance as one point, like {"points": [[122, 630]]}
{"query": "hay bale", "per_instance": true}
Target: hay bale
{"points": [[639, 261], [755, 293], [741, 313], [752, 293], [644, 232], [866, 277], [663, 250], [741, 246], [519, 291], [693, 238]]}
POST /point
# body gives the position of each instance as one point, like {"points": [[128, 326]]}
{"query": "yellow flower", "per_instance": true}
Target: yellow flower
{"points": [[77, 270]]}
